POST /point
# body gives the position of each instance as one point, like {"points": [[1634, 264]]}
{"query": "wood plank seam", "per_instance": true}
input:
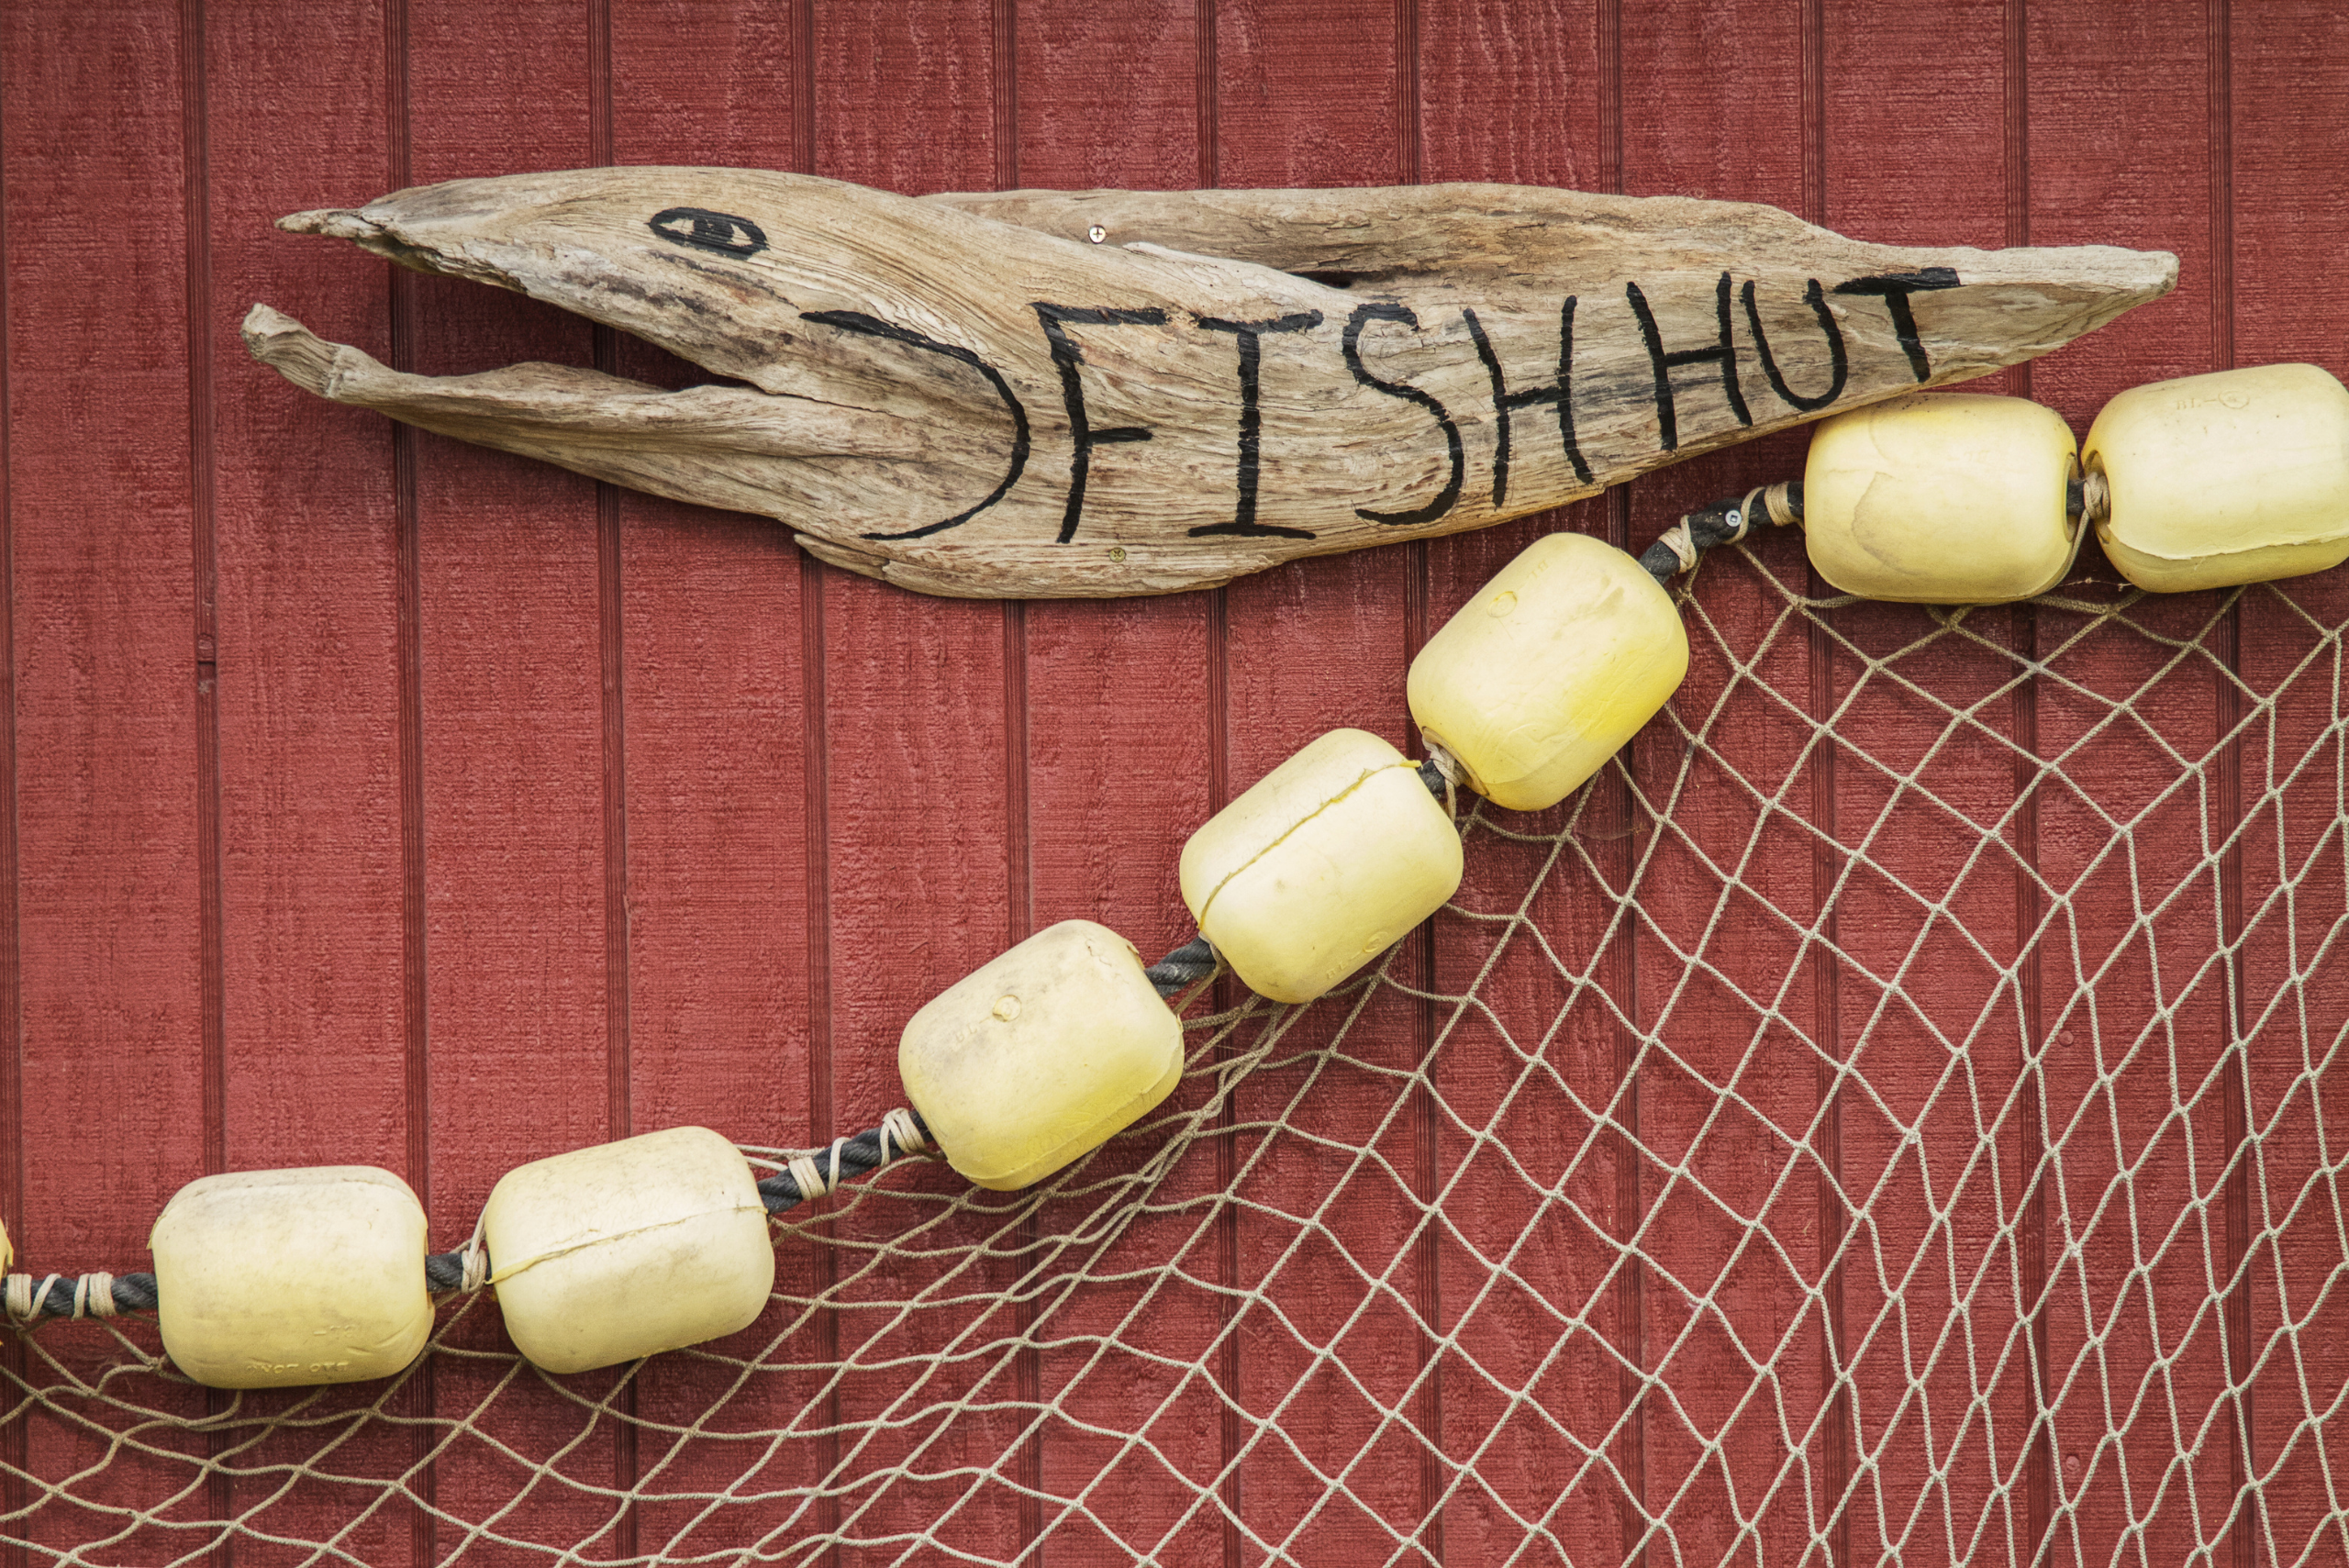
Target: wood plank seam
{"points": [[1427, 1300], [610, 638], [1027, 1370], [1231, 1432], [420, 1399], [1630, 1196], [1827, 863], [13, 1444], [816, 840], [2031, 1152], [196, 215], [2241, 1458], [2038, 1473], [211, 1008]]}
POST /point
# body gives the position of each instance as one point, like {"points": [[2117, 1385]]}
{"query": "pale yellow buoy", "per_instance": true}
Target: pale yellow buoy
{"points": [[1320, 866], [2239, 476], [608, 1253], [1941, 498], [276, 1279], [1549, 670], [1038, 1056]]}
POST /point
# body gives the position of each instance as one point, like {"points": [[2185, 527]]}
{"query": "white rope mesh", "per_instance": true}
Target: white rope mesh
{"points": [[1960, 1178]]}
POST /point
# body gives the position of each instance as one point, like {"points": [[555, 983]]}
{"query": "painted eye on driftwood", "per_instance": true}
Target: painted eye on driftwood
{"points": [[704, 230]]}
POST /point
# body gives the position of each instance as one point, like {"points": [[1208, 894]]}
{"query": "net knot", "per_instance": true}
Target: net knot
{"points": [[19, 1299], [476, 1258], [1779, 502]]}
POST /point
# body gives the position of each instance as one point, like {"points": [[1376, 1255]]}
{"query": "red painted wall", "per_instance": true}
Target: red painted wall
{"points": [[372, 798]]}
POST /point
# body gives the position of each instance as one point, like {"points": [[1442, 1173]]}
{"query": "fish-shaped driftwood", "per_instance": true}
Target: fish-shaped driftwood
{"points": [[1102, 393]]}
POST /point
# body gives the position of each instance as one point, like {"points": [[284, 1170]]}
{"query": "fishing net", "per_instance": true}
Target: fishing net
{"points": [[1894, 1114]]}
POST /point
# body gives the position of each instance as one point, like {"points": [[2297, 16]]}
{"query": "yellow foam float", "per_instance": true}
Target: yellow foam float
{"points": [[278, 1279], [1320, 866], [1549, 670], [608, 1253], [1941, 498], [2240, 476], [1038, 1057]]}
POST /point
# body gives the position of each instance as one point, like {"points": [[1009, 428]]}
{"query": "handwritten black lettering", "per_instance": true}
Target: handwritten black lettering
{"points": [[1838, 367], [1067, 356], [1378, 310], [1723, 351], [703, 229], [872, 326], [1894, 289], [1252, 419], [1560, 392]]}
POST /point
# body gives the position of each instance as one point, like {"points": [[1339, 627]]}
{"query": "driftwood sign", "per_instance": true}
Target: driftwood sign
{"points": [[1104, 393]]}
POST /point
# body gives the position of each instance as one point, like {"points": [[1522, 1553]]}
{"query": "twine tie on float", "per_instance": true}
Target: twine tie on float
{"points": [[900, 1136], [2096, 499], [93, 1296], [27, 1299], [476, 1258], [1723, 522], [1449, 774]]}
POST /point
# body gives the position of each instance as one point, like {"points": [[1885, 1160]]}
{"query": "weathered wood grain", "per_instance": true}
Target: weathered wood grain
{"points": [[935, 388]]}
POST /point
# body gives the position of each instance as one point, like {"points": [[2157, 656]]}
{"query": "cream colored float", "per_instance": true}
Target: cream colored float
{"points": [[1549, 670], [1941, 498], [277, 1279], [605, 1254], [1035, 1059], [2239, 476], [1320, 866]]}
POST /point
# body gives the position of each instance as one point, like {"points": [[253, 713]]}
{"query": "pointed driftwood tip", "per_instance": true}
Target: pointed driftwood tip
{"points": [[287, 346], [339, 223], [2150, 274]]}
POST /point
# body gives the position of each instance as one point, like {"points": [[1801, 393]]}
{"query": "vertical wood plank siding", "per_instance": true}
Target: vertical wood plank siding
{"points": [[367, 797]]}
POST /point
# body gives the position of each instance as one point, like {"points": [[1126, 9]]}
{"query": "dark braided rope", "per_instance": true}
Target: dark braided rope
{"points": [[859, 1157], [132, 1293], [1721, 523], [1724, 521], [1184, 967]]}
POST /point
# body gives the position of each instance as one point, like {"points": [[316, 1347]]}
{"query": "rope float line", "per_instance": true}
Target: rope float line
{"points": [[1723, 522], [2275, 540], [29, 1298], [902, 1135], [2087, 499]]}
